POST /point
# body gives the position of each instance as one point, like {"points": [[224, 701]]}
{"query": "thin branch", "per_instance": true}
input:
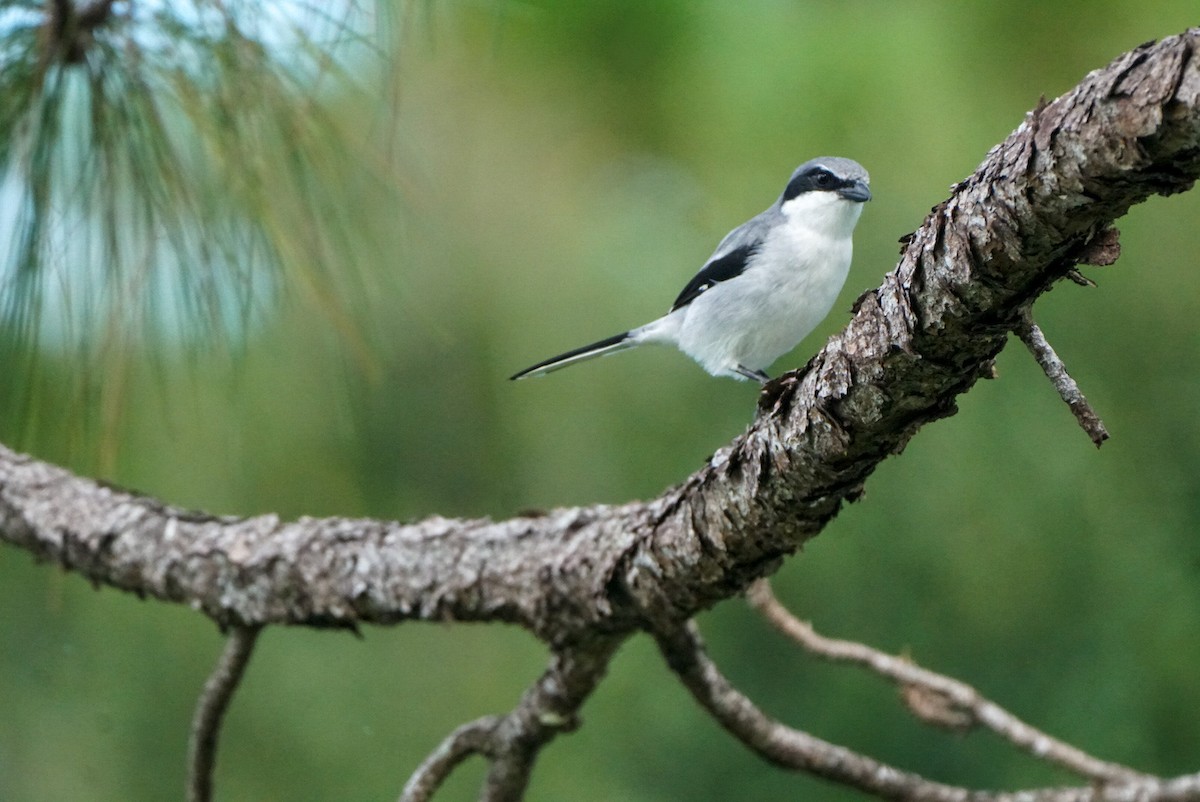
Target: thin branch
{"points": [[513, 741], [472, 738], [785, 747], [792, 749], [548, 708], [1056, 372], [1078, 278], [936, 698], [210, 710]]}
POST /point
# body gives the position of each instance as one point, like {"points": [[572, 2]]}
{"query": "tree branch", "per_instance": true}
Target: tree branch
{"points": [[935, 698], [210, 711], [1056, 372], [472, 738], [1035, 208], [789, 748], [512, 742]]}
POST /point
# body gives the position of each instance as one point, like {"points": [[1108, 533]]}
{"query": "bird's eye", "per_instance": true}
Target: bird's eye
{"points": [[824, 179]]}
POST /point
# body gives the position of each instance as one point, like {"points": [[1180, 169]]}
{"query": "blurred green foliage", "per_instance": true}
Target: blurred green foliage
{"points": [[565, 168]]}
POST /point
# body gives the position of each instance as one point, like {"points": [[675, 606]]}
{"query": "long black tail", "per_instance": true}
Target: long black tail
{"points": [[609, 345]]}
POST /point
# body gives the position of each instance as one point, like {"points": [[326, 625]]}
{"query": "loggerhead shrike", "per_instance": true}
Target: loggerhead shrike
{"points": [[768, 284]]}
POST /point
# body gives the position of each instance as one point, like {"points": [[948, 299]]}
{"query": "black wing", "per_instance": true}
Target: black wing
{"points": [[726, 267]]}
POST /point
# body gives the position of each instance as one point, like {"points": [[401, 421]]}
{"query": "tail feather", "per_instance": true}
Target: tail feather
{"points": [[609, 345]]}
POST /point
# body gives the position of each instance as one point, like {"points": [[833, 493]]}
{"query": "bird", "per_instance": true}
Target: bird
{"points": [[768, 284]]}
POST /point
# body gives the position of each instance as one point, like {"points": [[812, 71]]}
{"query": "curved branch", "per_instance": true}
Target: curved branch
{"points": [[777, 743], [472, 738], [512, 742], [210, 711], [1040, 203], [792, 749], [936, 698]]}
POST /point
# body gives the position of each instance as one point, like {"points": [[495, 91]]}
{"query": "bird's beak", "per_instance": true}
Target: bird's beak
{"points": [[858, 192]]}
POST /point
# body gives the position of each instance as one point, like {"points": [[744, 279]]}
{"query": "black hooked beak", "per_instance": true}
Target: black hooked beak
{"points": [[857, 191]]}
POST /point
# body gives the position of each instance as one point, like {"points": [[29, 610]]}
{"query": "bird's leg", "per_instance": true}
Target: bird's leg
{"points": [[757, 375]]}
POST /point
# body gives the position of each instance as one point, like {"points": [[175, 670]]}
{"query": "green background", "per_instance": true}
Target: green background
{"points": [[566, 167]]}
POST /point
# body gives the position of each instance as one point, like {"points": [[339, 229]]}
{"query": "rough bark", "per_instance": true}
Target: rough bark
{"points": [[1041, 203]]}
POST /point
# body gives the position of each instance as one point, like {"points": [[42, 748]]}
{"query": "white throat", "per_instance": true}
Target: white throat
{"points": [[822, 213]]}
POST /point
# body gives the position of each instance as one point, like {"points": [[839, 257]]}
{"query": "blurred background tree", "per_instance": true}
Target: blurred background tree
{"points": [[366, 219]]}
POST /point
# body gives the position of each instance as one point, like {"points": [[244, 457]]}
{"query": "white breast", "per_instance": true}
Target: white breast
{"points": [[792, 283]]}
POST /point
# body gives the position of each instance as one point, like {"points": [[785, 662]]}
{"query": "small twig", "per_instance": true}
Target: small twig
{"points": [[1056, 371], [470, 739], [793, 749], [1078, 278], [512, 741], [210, 710], [934, 697]]}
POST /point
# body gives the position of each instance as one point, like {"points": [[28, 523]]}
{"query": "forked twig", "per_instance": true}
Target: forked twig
{"points": [[793, 749], [784, 746], [936, 698], [512, 742]]}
